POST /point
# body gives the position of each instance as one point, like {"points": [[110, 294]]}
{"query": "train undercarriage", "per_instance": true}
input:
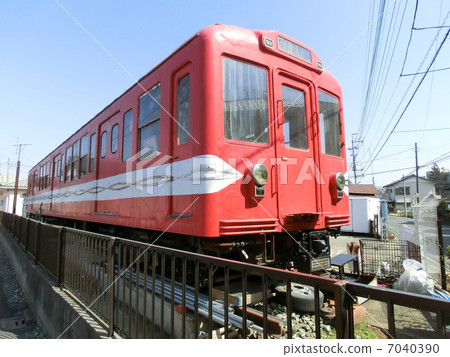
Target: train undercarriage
{"points": [[303, 251]]}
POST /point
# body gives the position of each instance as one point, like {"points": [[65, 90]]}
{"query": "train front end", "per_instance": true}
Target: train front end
{"points": [[282, 130]]}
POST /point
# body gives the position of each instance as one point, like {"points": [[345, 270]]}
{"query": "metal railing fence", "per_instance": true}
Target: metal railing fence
{"points": [[147, 291]]}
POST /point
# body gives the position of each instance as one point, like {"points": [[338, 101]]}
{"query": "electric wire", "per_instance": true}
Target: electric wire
{"points": [[411, 98]]}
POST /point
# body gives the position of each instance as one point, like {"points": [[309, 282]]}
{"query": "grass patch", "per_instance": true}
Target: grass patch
{"points": [[362, 331], [365, 331]]}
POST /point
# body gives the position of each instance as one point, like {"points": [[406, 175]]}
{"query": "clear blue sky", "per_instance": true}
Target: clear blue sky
{"points": [[54, 77]]}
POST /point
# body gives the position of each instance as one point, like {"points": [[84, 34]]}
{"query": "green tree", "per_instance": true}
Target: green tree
{"points": [[438, 176]]}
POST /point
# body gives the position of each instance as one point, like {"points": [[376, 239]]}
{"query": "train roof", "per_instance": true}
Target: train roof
{"points": [[222, 33]]}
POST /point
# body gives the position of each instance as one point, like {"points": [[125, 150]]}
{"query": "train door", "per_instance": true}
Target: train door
{"points": [[182, 185], [298, 169], [107, 156]]}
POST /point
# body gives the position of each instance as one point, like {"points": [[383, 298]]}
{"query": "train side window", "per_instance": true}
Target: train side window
{"points": [[294, 126], [92, 153], [45, 176], [41, 175], [50, 174], [103, 142], [84, 155], [61, 174], [36, 181], [245, 102], [68, 163], [127, 136], [330, 129], [115, 138], [149, 121], [56, 167], [183, 114], [75, 158]]}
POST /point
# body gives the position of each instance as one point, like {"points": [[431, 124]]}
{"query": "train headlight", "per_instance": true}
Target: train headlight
{"points": [[340, 181], [260, 174]]}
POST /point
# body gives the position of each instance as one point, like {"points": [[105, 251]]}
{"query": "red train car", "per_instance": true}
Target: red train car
{"points": [[234, 145]]}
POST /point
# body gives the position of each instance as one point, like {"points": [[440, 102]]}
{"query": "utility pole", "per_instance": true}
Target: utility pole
{"points": [[404, 197], [417, 174], [16, 186], [354, 155], [7, 170]]}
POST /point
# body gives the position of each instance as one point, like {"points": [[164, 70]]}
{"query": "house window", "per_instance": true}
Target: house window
{"points": [[149, 121], [399, 191]]}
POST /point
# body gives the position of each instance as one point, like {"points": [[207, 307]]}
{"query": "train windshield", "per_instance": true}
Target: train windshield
{"points": [[245, 102]]}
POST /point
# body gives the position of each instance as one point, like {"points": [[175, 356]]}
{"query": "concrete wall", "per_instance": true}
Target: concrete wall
{"points": [[57, 313]]}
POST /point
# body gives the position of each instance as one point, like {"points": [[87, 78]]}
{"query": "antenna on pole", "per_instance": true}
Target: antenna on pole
{"points": [[19, 148]]}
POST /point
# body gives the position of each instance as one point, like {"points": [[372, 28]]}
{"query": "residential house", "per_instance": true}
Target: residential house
{"points": [[404, 190]]}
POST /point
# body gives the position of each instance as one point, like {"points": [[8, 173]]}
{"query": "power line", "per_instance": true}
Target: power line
{"points": [[413, 167], [412, 97], [431, 71], [430, 28], [420, 130], [410, 35], [379, 89]]}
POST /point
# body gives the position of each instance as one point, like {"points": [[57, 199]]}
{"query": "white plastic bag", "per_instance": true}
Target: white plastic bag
{"points": [[414, 279]]}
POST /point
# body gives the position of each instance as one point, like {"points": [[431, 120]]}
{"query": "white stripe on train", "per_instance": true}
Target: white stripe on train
{"points": [[198, 175]]}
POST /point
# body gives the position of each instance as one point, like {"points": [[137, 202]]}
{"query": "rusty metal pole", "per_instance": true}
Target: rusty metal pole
{"points": [[441, 254], [341, 309]]}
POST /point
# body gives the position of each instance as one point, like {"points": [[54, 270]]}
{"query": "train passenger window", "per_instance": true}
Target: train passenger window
{"points": [[50, 174], [294, 126], [36, 181], [330, 132], [92, 153], [41, 176], [45, 176], [75, 158], [149, 121], [127, 136], [183, 114], [245, 102], [61, 174], [115, 138], [68, 163], [103, 145], [56, 167], [84, 155]]}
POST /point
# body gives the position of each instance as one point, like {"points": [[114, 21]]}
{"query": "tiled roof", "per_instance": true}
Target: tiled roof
{"points": [[366, 190]]}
